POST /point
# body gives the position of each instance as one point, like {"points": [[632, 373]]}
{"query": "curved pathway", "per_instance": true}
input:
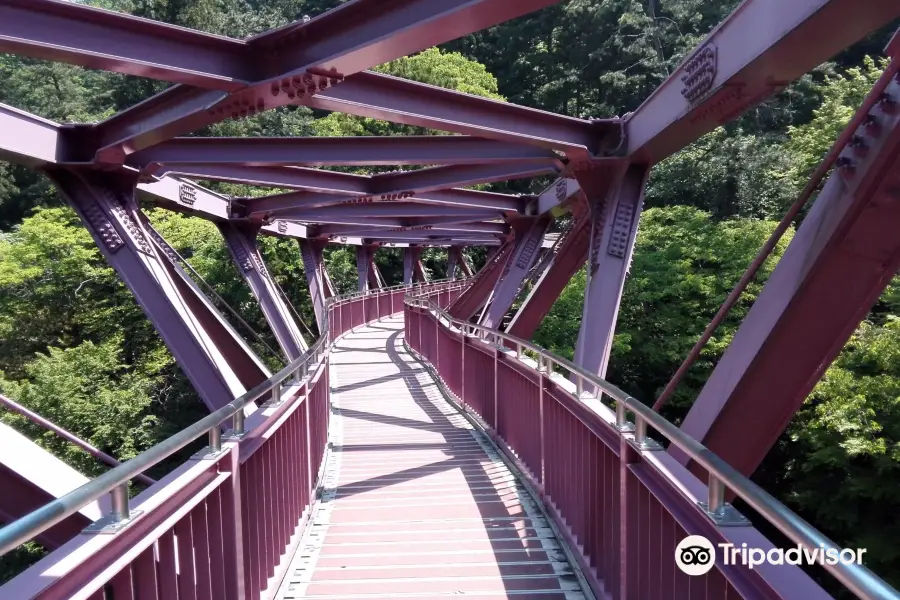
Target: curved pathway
{"points": [[416, 503]]}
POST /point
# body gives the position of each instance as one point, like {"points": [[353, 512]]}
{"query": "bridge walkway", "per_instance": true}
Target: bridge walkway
{"points": [[416, 502]]}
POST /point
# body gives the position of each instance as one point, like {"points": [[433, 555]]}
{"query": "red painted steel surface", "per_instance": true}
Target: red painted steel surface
{"points": [[569, 259], [838, 263], [622, 511], [229, 520], [477, 294], [416, 504]]}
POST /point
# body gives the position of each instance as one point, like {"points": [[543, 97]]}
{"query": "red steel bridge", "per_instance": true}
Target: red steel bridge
{"points": [[415, 450]]}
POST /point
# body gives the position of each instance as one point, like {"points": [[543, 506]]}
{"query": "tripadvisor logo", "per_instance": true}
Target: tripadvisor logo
{"points": [[696, 555]]}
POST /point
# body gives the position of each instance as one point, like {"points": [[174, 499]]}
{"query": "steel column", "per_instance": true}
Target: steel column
{"points": [[218, 362], [464, 263], [529, 236], [614, 223], [241, 242], [365, 256], [835, 268], [475, 296], [570, 257], [316, 277], [410, 259], [453, 258]]}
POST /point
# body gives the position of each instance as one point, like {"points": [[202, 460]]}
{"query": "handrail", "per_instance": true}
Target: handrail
{"points": [[857, 578], [393, 288], [70, 437], [41, 519]]}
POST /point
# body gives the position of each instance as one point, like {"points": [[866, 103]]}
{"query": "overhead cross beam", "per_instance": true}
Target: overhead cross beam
{"points": [[835, 268], [351, 214], [405, 184], [397, 100], [279, 204], [101, 39], [335, 151], [757, 51], [240, 77]]}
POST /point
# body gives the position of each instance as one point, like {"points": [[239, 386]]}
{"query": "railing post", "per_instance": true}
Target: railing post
{"points": [[437, 345], [496, 371], [541, 370], [120, 513], [462, 367], [233, 527]]}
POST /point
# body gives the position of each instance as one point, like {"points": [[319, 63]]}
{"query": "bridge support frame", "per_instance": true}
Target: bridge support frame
{"points": [[365, 263], [219, 364], [614, 223], [412, 264], [242, 244], [799, 323], [529, 236], [320, 288]]}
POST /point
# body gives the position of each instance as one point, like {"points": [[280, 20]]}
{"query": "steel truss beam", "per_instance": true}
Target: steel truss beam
{"points": [[464, 263], [241, 242], [837, 265], [397, 100], [475, 296], [335, 151], [529, 235], [569, 259], [365, 260], [442, 224], [32, 477], [349, 187], [357, 214], [454, 257], [757, 51], [614, 224], [320, 288], [27, 139], [217, 361], [411, 257], [425, 230], [425, 242], [101, 39], [273, 69], [376, 279], [276, 205]]}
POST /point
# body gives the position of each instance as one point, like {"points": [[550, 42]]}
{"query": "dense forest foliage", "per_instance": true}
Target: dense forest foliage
{"points": [[77, 348]]}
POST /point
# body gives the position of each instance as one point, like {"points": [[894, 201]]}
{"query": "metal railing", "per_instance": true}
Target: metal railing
{"points": [[394, 288], [722, 476], [115, 481]]}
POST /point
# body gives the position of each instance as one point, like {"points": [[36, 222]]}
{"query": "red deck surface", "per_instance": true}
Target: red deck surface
{"points": [[416, 503]]}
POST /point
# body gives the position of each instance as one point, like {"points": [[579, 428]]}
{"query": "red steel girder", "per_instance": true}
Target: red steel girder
{"points": [[388, 98], [760, 48], [305, 58], [438, 242], [420, 233], [402, 184], [335, 151], [27, 139], [468, 201], [352, 214], [839, 261], [101, 39], [474, 296], [426, 226], [570, 258]]}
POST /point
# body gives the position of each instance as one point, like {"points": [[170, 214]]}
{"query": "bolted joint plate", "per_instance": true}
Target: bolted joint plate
{"points": [[728, 516], [108, 525], [208, 453]]}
